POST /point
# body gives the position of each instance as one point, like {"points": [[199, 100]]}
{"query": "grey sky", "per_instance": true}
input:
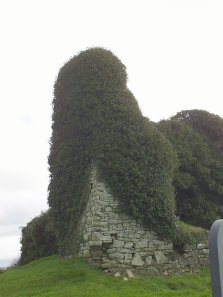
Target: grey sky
{"points": [[173, 53]]}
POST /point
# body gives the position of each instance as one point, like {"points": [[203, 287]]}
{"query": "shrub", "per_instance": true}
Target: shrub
{"points": [[38, 239], [188, 234]]}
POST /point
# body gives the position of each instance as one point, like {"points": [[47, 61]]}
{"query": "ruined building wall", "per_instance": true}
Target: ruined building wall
{"points": [[113, 241]]}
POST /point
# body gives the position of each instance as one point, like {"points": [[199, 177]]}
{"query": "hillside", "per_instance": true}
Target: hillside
{"points": [[57, 277]]}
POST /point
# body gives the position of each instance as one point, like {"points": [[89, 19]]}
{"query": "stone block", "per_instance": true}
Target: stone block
{"points": [[112, 250], [95, 208], [143, 254], [86, 237], [128, 245], [204, 261], [141, 244], [167, 246], [106, 238], [137, 260], [118, 256], [127, 262], [128, 256], [149, 260], [96, 236], [201, 246], [95, 243], [158, 242], [85, 253], [151, 246], [100, 224], [141, 232], [105, 265], [136, 236], [160, 257], [130, 273], [118, 243], [113, 264], [185, 256], [125, 251], [112, 232]]}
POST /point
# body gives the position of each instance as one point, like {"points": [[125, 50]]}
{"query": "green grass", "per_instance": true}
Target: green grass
{"points": [[57, 277]]}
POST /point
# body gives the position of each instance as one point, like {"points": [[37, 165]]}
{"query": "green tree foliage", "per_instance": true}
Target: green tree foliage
{"points": [[198, 181], [97, 122], [38, 239], [208, 124]]}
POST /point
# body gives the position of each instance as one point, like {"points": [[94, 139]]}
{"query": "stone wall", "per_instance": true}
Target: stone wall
{"points": [[115, 242]]}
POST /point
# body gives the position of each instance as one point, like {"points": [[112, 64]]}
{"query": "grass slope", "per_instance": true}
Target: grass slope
{"points": [[56, 277]]}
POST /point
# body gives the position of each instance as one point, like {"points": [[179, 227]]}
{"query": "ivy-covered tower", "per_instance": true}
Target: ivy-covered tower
{"points": [[97, 123]]}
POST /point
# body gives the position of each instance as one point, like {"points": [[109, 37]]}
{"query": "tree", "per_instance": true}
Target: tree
{"points": [[208, 124], [198, 181]]}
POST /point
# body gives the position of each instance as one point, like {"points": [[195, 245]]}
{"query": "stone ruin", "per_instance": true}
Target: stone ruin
{"points": [[115, 242]]}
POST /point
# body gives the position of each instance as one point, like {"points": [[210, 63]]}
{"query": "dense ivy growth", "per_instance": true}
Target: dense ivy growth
{"points": [[97, 122], [38, 239], [198, 181]]}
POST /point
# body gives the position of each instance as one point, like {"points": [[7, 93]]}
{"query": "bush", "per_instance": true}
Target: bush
{"points": [[38, 239], [97, 122], [188, 234]]}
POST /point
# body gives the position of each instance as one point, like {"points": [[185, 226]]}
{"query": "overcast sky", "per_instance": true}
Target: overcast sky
{"points": [[173, 51]]}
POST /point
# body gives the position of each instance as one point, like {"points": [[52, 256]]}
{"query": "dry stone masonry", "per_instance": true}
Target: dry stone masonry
{"points": [[115, 242]]}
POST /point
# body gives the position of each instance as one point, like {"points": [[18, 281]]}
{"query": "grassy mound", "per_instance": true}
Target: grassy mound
{"points": [[58, 277]]}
